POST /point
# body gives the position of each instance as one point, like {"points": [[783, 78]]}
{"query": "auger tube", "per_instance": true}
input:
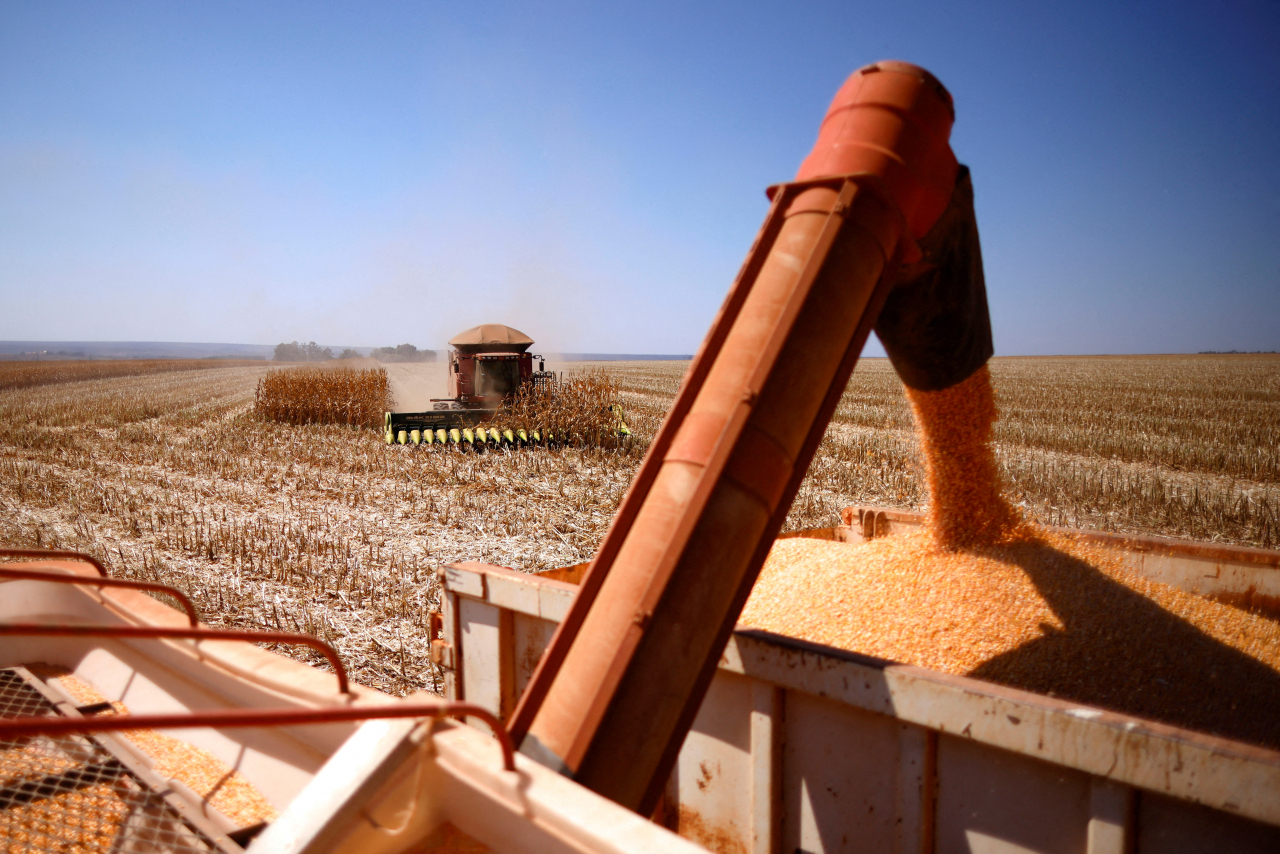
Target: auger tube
{"points": [[617, 690]]}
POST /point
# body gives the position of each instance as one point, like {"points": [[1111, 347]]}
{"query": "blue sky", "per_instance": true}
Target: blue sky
{"points": [[593, 173]]}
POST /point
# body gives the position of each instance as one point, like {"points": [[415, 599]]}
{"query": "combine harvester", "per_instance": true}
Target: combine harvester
{"points": [[623, 683], [488, 366]]}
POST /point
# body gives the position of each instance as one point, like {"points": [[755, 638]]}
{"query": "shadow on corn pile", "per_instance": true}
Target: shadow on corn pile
{"points": [[1121, 651]]}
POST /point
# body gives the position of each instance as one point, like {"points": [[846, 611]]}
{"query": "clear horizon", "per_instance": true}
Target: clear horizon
{"points": [[592, 175]]}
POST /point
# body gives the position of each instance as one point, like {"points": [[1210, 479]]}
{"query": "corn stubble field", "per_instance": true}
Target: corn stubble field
{"points": [[173, 476]]}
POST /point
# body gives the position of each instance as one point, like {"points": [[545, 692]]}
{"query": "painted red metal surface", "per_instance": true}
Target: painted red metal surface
{"points": [[57, 554], [122, 583], [11, 728], [891, 119], [464, 377], [165, 632], [619, 687]]}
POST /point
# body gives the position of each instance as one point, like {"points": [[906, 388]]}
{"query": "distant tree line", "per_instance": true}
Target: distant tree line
{"points": [[313, 352], [309, 352], [403, 353]]}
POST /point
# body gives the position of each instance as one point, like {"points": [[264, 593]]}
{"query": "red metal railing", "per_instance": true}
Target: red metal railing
{"points": [[150, 632], [57, 578], [56, 555], [52, 726], [12, 728]]}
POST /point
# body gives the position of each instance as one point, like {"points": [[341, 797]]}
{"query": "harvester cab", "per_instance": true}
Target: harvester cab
{"points": [[487, 366]]}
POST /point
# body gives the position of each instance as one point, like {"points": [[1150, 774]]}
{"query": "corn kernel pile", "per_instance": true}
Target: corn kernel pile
{"points": [[226, 790], [984, 593], [89, 818]]}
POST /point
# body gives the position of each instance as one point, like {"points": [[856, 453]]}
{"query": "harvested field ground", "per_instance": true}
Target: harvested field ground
{"points": [[27, 374], [325, 529]]}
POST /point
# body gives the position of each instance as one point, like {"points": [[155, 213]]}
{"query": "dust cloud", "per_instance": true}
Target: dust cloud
{"points": [[414, 384]]}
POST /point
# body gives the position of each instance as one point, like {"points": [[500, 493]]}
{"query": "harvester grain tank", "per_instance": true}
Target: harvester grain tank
{"points": [[488, 364]]}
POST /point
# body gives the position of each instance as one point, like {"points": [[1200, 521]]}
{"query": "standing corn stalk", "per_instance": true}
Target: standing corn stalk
{"points": [[349, 396], [576, 411]]}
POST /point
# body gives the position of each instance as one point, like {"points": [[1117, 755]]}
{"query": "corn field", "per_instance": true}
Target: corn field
{"points": [[352, 397], [28, 374], [318, 527], [576, 408], [1182, 446]]}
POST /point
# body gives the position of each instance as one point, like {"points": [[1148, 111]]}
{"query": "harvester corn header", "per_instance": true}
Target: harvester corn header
{"points": [[488, 366]]}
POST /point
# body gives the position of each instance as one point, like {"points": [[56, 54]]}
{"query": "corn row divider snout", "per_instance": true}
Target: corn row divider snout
{"points": [[499, 437]]}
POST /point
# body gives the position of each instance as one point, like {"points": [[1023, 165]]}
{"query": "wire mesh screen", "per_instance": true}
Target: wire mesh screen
{"points": [[72, 794]]}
